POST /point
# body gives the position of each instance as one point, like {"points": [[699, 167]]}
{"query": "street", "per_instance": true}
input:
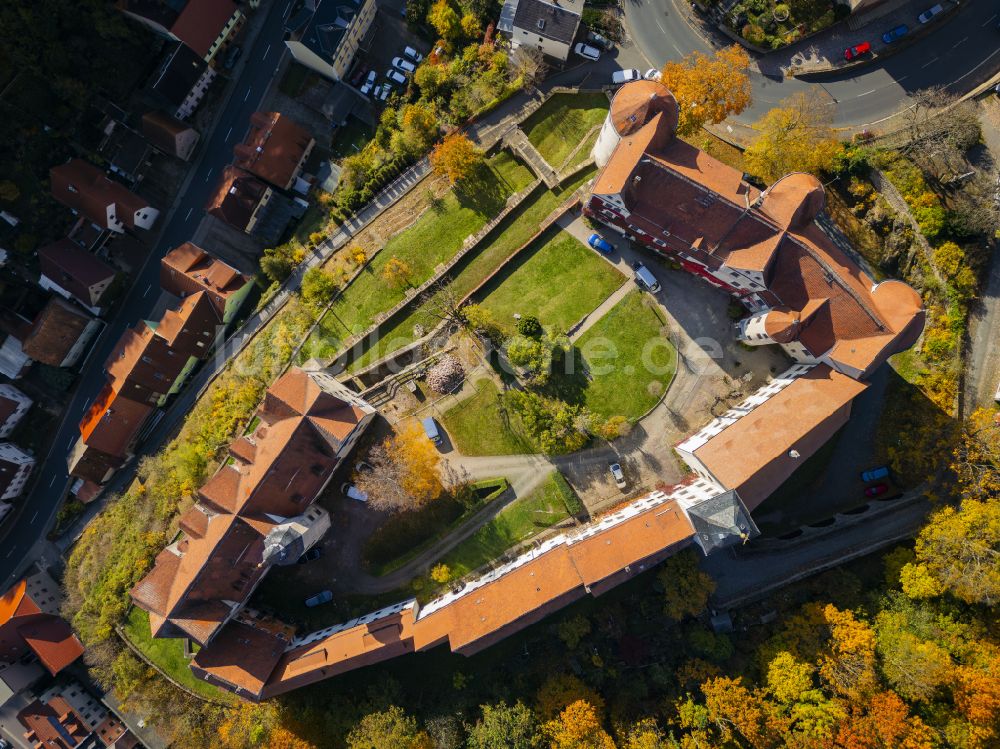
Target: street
{"points": [[38, 509]]}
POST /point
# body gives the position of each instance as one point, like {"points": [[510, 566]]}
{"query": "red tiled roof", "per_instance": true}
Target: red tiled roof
{"points": [[53, 642], [241, 655], [112, 422], [235, 198], [201, 22], [87, 190], [53, 726], [273, 149], [188, 269], [74, 269], [194, 321]]}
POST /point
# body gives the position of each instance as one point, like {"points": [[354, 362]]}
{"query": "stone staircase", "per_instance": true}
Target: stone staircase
{"points": [[518, 142]]}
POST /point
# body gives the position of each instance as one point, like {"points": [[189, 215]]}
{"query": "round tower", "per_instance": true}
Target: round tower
{"points": [[776, 325], [634, 105]]}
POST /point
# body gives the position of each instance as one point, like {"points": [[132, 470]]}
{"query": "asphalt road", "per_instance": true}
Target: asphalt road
{"points": [[51, 480], [963, 52]]}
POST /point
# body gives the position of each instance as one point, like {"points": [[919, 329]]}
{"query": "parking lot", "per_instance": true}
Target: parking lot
{"points": [[391, 37]]}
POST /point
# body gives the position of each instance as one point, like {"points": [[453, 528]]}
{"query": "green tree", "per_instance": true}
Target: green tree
{"points": [[685, 587], [396, 272], [645, 734], [504, 726], [9, 191], [388, 729], [915, 667], [574, 629], [445, 20], [318, 286]]}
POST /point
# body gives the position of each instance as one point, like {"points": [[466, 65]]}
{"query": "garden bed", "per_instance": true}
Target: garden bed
{"points": [[768, 24]]}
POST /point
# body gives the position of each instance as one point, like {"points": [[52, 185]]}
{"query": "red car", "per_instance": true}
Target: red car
{"points": [[876, 489], [857, 50]]}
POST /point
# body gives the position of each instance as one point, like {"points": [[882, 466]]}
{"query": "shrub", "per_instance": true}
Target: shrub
{"points": [[529, 326]]}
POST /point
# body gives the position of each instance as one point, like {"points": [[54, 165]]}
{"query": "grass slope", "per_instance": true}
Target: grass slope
{"points": [[509, 234], [559, 280], [562, 122], [520, 520], [433, 239]]}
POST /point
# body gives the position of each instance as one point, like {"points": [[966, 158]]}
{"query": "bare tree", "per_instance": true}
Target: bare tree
{"points": [[384, 482], [938, 123], [528, 64]]}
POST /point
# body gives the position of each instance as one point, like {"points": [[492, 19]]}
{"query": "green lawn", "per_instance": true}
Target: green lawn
{"points": [[559, 280], [631, 382], [520, 520], [516, 229], [477, 427], [350, 138], [562, 122], [584, 153], [435, 237], [168, 655]]}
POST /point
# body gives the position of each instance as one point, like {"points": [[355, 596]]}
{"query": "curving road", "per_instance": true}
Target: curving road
{"points": [[962, 53]]}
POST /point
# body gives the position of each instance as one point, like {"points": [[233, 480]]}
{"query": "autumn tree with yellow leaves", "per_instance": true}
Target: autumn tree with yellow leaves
{"points": [[794, 137], [456, 157], [404, 471], [708, 89]]}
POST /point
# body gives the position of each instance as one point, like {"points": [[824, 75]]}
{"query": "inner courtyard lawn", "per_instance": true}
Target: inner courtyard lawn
{"points": [[558, 280], [629, 359], [516, 229], [562, 122], [520, 520], [477, 427], [435, 237]]}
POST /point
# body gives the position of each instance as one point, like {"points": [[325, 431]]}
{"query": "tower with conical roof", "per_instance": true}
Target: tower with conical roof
{"points": [[633, 106]]}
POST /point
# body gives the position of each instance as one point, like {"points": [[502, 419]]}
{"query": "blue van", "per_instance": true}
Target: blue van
{"points": [[431, 430], [874, 474]]}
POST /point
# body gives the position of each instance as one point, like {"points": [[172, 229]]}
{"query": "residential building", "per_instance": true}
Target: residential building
{"points": [[205, 26], [275, 149], [144, 368], [549, 26], [31, 627], [109, 431], [13, 406], [256, 510], [325, 35], [126, 152], [190, 330], [90, 192], [15, 468], [249, 205], [67, 716], [188, 269], [60, 334], [170, 135], [73, 273], [182, 81], [13, 361]]}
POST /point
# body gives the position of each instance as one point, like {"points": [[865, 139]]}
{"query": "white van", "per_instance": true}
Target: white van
{"points": [[646, 280]]}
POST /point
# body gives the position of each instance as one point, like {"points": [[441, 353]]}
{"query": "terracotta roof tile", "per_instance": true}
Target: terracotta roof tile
{"points": [[201, 21], [74, 269], [53, 642], [89, 191], [273, 149], [112, 422], [54, 333], [241, 655]]}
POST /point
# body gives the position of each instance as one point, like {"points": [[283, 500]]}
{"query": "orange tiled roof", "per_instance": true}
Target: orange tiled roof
{"points": [[53, 642], [112, 422], [273, 149], [801, 417]]}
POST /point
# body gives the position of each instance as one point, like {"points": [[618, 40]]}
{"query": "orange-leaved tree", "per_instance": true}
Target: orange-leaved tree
{"points": [[709, 89], [456, 157], [578, 727]]}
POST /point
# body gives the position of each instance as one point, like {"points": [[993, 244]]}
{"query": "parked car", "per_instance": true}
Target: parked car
{"points": [[231, 57], [413, 54], [369, 82], [624, 76], [350, 491], [644, 279], [599, 41], [929, 13], [653, 74], [876, 490], [431, 430], [857, 50], [618, 475], [395, 76], [585, 50], [310, 556], [382, 91], [600, 244], [403, 64], [324, 596], [897, 33], [874, 474]]}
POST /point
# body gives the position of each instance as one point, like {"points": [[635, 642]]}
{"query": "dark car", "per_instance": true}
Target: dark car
{"points": [[601, 244], [852, 53], [310, 556], [876, 490], [897, 33], [231, 57], [322, 597]]}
